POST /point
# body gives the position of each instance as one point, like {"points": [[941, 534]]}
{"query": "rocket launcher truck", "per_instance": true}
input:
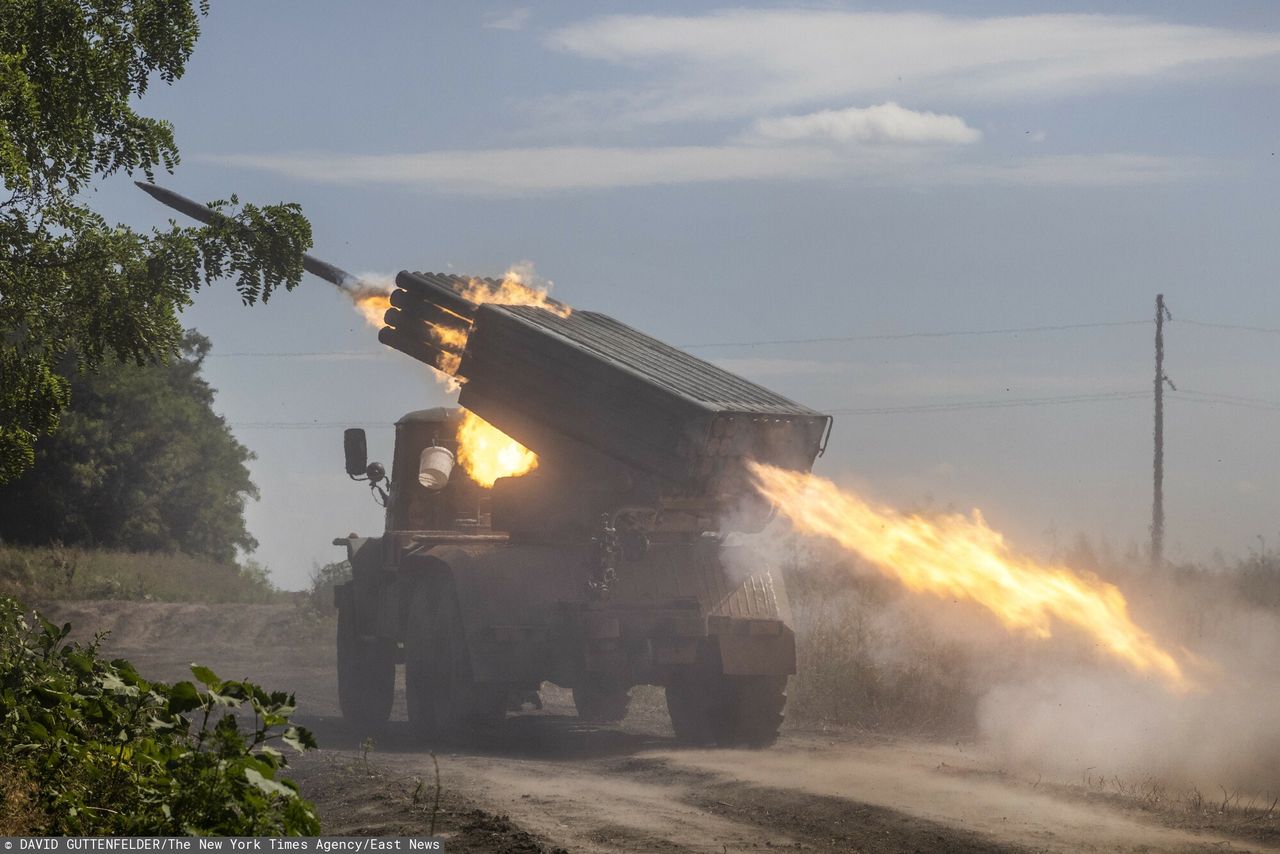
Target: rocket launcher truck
{"points": [[620, 560]]}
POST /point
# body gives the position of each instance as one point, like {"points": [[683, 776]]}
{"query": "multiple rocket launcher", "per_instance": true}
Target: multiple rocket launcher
{"points": [[554, 378]]}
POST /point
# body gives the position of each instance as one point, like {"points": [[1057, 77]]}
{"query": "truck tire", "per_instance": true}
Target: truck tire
{"points": [[443, 699], [601, 700], [366, 675], [727, 710]]}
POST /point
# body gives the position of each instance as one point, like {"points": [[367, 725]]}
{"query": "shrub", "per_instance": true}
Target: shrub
{"points": [[323, 581], [90, 747]]}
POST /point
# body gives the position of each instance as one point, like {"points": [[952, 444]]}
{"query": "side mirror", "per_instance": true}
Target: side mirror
{"points": [[356, 449]]}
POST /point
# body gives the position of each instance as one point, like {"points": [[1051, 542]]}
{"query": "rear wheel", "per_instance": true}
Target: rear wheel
{"points": [[727, 710], [601, 700], [366, 674], [443, 698]]}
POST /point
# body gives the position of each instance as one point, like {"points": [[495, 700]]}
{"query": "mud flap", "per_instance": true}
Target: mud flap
{"points": [[754, 647]]}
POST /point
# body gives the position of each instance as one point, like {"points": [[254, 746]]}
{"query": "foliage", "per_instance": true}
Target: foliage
{"points": [[71, 72], [107, 752], [323, 581], [50, 573], [1258, 578], [141, 462]]}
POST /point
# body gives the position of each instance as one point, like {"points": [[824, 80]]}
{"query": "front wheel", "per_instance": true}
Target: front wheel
{"points": [[727, 710], [601, 700], [366, 675]]}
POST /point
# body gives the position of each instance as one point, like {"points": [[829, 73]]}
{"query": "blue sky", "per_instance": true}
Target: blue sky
{"points": [[779, 172]]}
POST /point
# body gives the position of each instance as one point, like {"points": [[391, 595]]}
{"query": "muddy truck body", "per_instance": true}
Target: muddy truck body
{"points": [[610, 565]]}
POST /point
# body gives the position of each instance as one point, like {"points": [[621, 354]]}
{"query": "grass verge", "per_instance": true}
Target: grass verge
{"points": [[49, 573]]}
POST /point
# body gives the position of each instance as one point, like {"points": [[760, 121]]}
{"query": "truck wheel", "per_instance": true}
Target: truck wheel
{"points": [[366, 675], [601, 700], [727, 710], [443, 698]]}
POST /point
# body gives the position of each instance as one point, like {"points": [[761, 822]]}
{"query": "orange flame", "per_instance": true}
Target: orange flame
{"points": [[962, 558], [486, 453], [514, 289], [372, 306]]}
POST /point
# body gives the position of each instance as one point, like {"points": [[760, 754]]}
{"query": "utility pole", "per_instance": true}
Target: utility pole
{"points": [[1157, 501]]}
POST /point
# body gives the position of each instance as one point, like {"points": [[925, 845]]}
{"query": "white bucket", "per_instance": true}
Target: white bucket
{"points": [[434, 467]]}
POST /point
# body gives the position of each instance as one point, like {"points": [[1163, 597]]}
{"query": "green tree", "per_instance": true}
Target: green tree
{"points": [[70, 74], [141, 462]]}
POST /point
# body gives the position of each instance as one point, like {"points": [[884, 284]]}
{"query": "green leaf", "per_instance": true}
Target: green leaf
{"points": [[206, 676], [80, 663], [183, 697], [299, 738], [268, 786]]}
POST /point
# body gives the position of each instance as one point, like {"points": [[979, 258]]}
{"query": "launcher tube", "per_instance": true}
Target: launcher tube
{"points": [[436, 293]]}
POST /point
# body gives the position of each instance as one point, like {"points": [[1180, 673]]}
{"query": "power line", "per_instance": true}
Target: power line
{"points": [[903, 335], [991, 404], [1182, 394], [831, 339], [359, 354], [873, 410], [308, 425], [894, 336], [1232, 326], [1193, 396]]}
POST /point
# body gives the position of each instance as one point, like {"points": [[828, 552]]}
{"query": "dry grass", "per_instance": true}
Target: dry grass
{"points": [[42, 574], [19, 815], [864, 659]]}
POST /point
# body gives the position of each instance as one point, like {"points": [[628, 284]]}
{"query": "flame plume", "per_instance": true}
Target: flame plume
{"points": [[515, 289], [962, 558], [486, 453], [372, 305]]}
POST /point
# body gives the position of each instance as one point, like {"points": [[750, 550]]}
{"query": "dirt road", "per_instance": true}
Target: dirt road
{"points": [[543, 782]]}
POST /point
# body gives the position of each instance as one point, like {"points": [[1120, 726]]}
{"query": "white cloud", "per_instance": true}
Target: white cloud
{"points": [[741, 62], [885, 123], [514, 171], [511, 19], [519, 170]]}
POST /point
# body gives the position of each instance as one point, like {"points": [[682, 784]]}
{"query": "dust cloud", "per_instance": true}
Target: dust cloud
{"points": [[1089, 720], [874, 654]]}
